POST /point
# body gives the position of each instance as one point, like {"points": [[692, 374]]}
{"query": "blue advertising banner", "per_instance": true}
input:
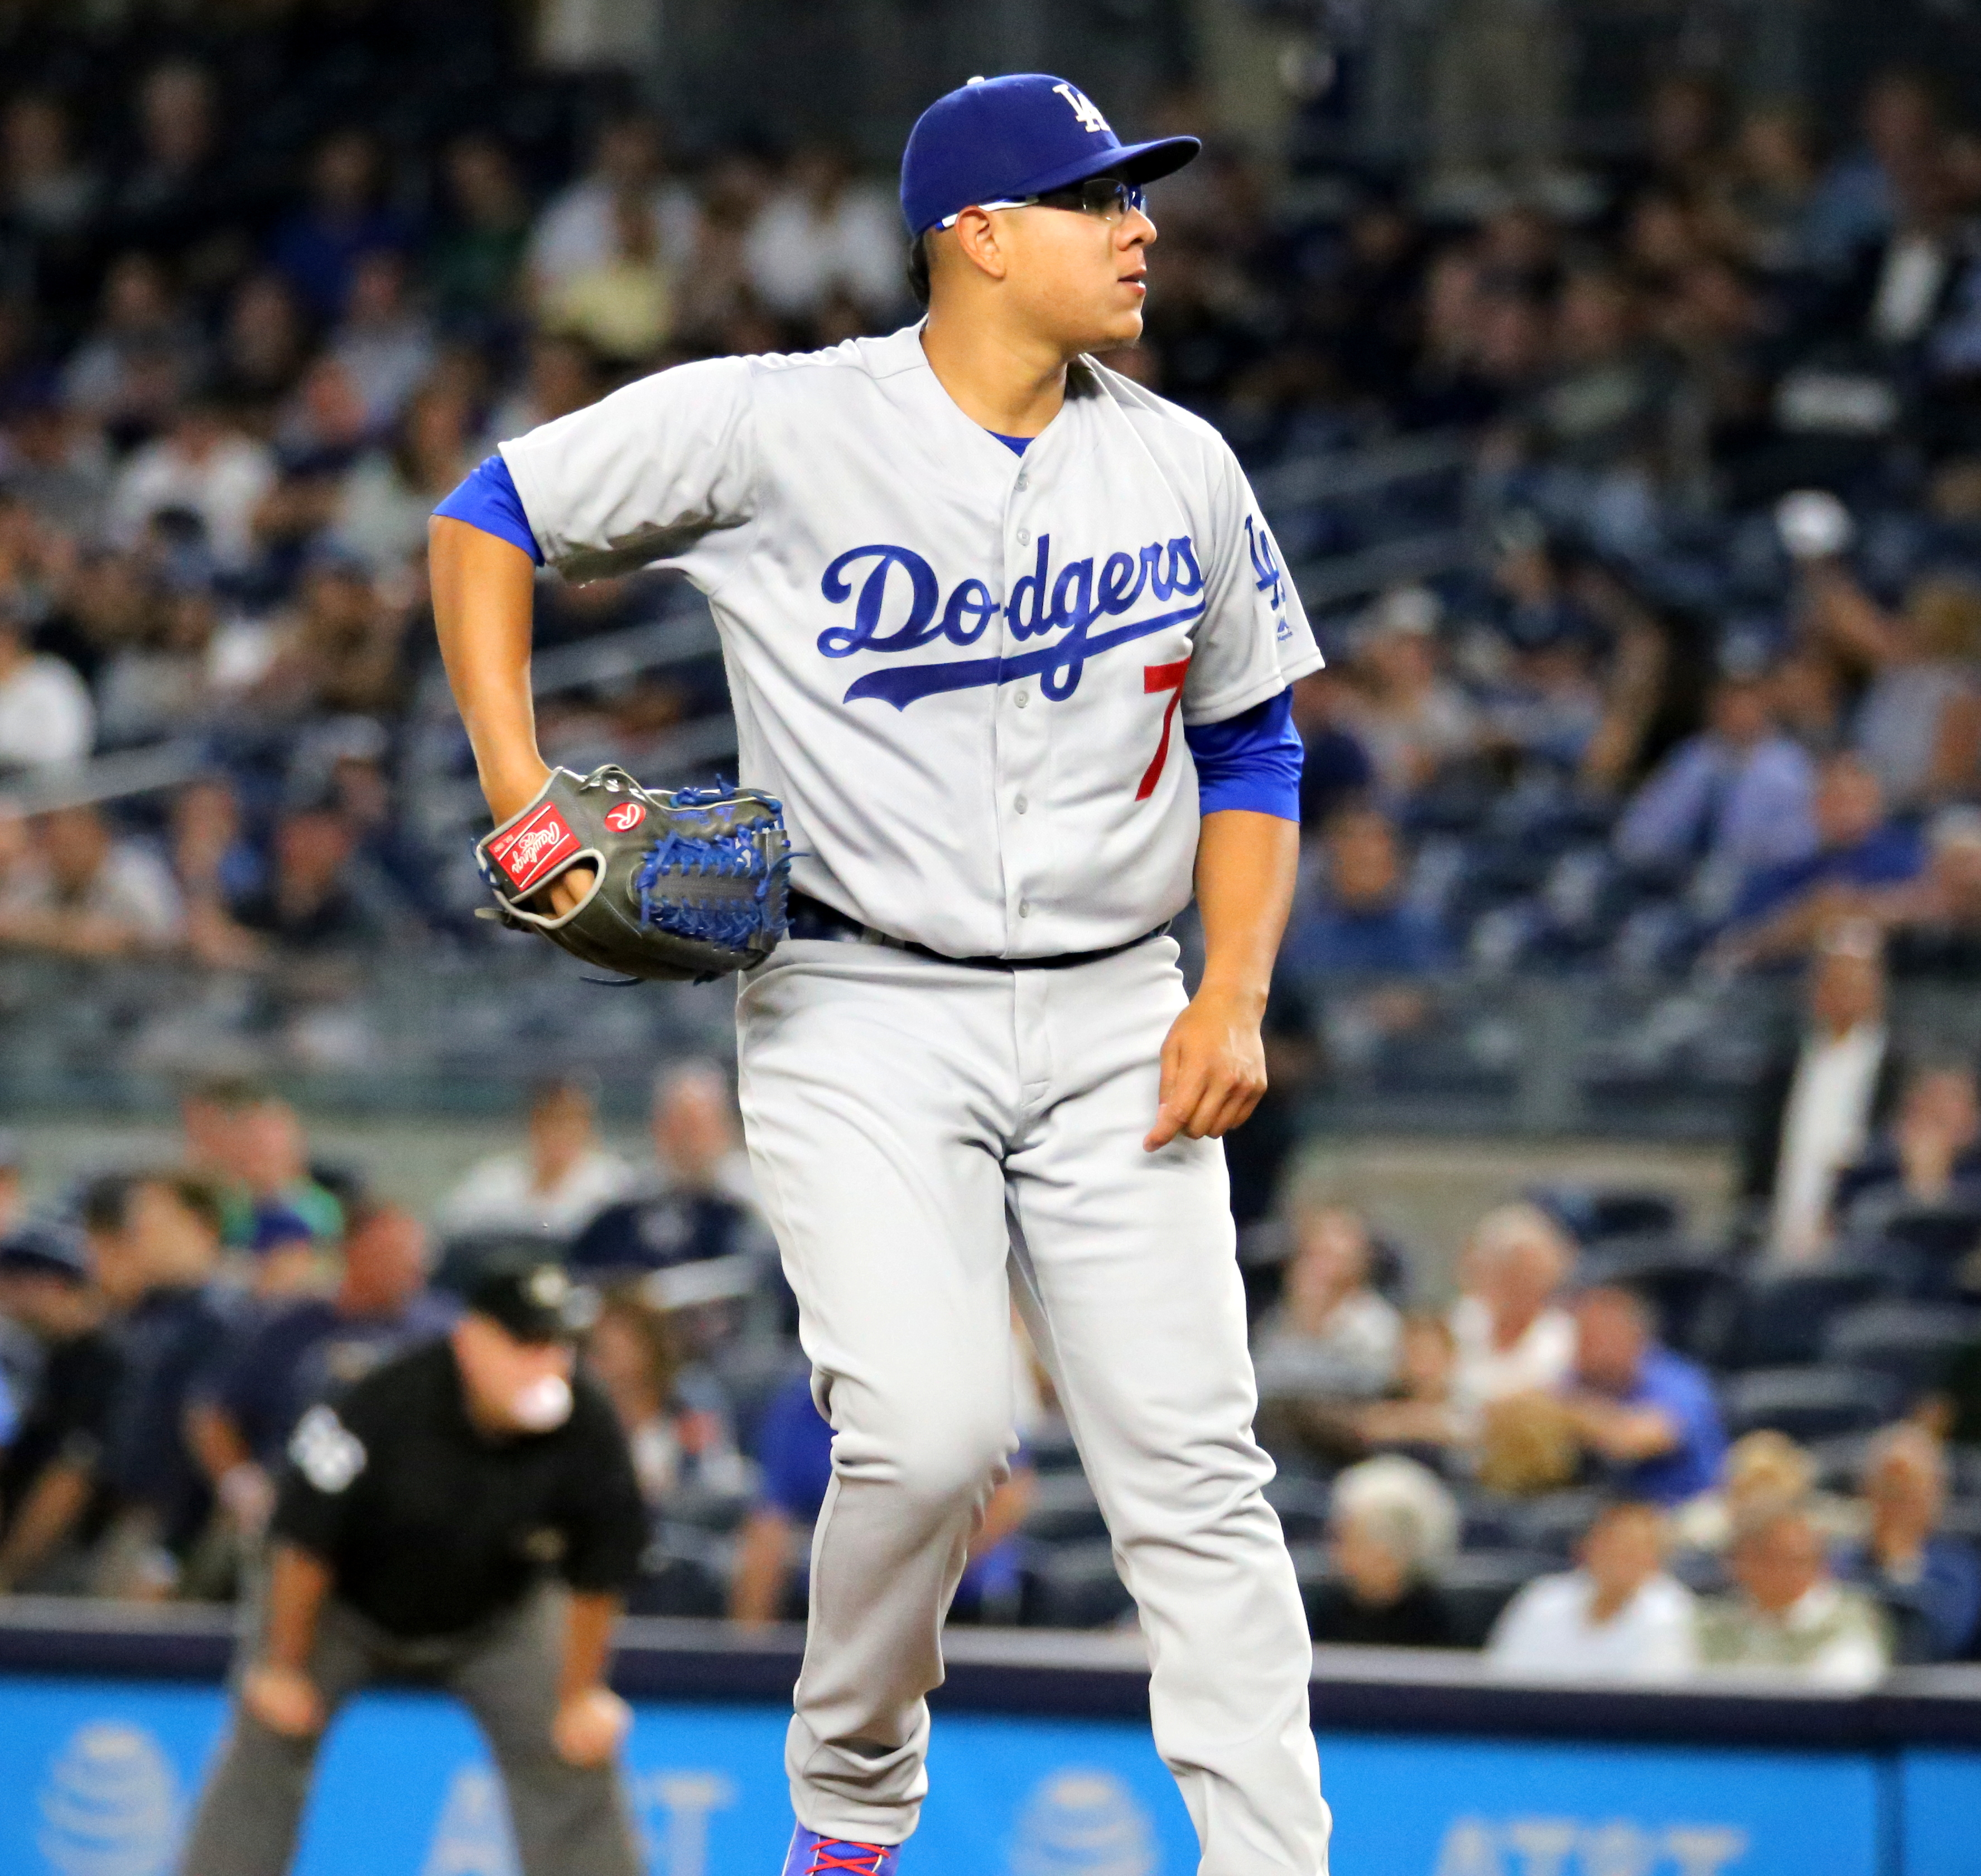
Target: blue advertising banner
{"points": [[1939, 1811], [104, 1772]]}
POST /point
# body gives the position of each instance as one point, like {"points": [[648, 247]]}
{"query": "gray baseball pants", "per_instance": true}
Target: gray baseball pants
{"points": [[918, 1129], [568, 1822]]}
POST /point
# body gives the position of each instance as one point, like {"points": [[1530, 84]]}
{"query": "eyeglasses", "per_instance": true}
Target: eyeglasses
{"points": [[1108, 197]]}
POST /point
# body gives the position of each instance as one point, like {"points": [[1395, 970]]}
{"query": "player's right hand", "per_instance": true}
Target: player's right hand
{"points": [[511, 795], [285, 1700]]}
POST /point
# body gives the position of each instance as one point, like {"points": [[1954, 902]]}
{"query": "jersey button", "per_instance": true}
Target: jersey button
{"points": [[1021, 804], [1024, 536], [1024, 908], [1022, 699]]}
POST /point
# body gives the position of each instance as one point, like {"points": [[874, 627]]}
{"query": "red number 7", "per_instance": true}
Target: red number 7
{"points": [[1161, 677]]}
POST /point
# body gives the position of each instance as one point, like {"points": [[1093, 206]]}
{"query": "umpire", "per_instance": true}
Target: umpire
{"points": [[420, 1524]]}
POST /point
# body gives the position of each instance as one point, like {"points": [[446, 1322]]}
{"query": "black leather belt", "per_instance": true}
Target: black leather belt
{"points": [[812, 919]]}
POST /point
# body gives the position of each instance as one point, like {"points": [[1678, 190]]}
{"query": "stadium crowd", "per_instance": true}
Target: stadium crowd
{"points": [[1614, 1453], [1698, 690]]}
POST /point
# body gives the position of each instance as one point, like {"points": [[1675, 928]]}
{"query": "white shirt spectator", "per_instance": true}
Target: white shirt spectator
{"points": [[132, 889], [1354, 1354], [221, 481], [45, 714], [799, 250], [1545, 1632], [1538, 1363], [1824, 1129], [500, 1194], [578, 233]]}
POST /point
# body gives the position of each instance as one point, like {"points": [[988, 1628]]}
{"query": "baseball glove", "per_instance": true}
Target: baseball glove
{"points": [[688, 884]]}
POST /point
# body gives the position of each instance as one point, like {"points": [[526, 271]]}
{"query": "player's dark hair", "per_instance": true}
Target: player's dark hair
{"points": [[918, 270]]}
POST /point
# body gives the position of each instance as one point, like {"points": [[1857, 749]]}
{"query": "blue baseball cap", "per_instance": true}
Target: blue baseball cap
{"points": [[999, 139]]}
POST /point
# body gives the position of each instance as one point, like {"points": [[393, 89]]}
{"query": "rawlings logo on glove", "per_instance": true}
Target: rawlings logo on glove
{"points": [[687, 884]]}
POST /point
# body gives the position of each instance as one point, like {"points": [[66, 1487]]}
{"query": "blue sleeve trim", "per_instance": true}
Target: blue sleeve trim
{"points": [[1251, 760], [488, 500]]}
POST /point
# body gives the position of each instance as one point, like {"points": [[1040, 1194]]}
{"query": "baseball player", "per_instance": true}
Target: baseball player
{"points": [[1009, 639]]}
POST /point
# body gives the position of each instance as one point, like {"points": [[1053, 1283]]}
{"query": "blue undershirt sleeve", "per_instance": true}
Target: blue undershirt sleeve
{"points": [[487, 499], [1251, 760]]}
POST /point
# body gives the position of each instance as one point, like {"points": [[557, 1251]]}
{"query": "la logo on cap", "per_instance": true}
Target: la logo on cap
{"points": [[1084, 108]]}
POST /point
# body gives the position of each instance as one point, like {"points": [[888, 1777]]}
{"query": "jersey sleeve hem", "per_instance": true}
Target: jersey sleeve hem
{"points": [[489, 499], [1236, 703]]}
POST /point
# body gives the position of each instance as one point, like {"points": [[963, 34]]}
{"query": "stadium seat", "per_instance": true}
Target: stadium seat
{"points": [[1478, 1585], [1943, 1233], [1775, 1319], [1554, 1524], [1050, 1448], [1064, 1510], [1073, 1586], [1909, 1341], [1302, 1504], [1592, 1213], [1680, 1281], [1809, 1403]]}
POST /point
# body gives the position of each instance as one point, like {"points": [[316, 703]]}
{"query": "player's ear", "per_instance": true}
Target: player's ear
{"points": [[975, 239]]}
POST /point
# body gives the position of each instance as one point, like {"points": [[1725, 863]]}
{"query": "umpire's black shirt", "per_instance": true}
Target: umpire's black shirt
{"points": [[430, 1526]]}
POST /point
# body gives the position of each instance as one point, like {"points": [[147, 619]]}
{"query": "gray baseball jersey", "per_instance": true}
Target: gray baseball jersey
{"points": [[960, 669]]}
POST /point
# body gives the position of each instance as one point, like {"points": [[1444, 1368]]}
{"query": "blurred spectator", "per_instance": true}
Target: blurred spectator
{"points": [[260, 1143], [1739, 794], [1790, 1613], [475, 262], [696, 1201], [1359, 920], [795, 1455], [561, 1180], [263, 347], [1924, 1578], [1511, 1333], [154, 1250], [1332, 1336], [1932, 1152], [247, 1403], [315, 901], [178, 194], [54, 465], [13, 1206], [139, 359], [47, 188], [85, 893], [1934, 922], [45, 713], [1618, 1617], [674, 1422], [1858, 849], [1760, 1469], [623, 308], [1918, 723], [318, 247], [1649, 1416], [1818, 1103], [341, 648], [52, 1502], [383, 503], [1854, 203], [1420, 1412], [1392, 1526], [823, 232], [1415, 720], [1335, 769], [205, 466], [383, 345], [580, 230]]}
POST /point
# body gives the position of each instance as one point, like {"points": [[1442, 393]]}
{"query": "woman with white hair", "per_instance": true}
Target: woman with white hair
{"points": [[1512, 1335], [1393, 1526]]}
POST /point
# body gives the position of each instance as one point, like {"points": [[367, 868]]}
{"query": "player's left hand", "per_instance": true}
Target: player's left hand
{"points": [[589, 1726], [1213, 1067]]}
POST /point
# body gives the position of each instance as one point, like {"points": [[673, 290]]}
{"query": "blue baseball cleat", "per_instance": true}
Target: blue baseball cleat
{"points": [[814, 1855]]}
